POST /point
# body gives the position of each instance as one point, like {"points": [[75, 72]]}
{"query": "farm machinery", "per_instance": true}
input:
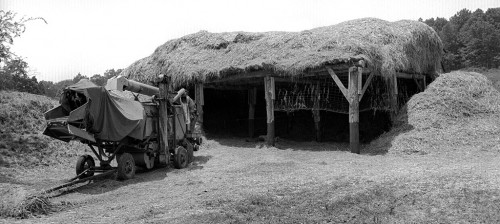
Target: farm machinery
{"points": [[153, 127]]}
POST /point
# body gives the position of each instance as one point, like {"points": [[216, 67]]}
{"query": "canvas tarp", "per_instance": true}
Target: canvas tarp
{"points": [[111, 118], [107, 115], [81, 86]]}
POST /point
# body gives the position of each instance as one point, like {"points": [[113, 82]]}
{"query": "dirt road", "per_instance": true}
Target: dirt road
{"points": [[233, 181]]}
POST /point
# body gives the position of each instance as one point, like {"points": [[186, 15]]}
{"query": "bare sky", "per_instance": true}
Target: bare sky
{"points": [[91, 36]]}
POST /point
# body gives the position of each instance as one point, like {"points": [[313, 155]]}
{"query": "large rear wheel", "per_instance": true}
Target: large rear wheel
{"points": [[85, 163], [181, 158], [126, 166]]}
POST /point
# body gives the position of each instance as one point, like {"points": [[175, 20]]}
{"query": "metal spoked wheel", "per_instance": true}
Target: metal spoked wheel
{"points": [[126, 167], [83, 164]]}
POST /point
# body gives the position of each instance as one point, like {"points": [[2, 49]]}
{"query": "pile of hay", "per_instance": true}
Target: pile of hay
{"points": [[458, 111], [17, 202], [21, 125], [388, 47], [452, 97]]}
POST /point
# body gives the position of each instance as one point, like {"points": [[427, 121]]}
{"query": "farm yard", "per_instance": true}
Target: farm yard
{"points": [[236, 182], [444, 170], [364, 121]]}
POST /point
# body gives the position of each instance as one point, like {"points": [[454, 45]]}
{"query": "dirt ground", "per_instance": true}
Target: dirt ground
{"points": [[233, 181]]}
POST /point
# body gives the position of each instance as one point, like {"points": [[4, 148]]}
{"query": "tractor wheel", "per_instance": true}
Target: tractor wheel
{"points": [[181, 158], [83, 163], [126, 166]]}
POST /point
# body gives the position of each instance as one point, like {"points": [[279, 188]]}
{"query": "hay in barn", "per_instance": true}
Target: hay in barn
{"points": [[459, 111], [388, 47]]}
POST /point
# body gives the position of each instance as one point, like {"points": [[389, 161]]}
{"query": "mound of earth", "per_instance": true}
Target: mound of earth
{"points": [[458, 111], [21, 125]]}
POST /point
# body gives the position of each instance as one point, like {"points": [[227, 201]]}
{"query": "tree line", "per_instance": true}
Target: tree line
{"points": [[470, 39], [14, 70], [53, 89]]}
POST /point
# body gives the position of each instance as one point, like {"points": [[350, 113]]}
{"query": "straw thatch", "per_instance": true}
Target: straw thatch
{"points": [[388, 47]]}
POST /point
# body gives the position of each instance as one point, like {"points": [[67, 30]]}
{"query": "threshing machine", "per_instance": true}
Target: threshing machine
{"points": [[131, 129]]}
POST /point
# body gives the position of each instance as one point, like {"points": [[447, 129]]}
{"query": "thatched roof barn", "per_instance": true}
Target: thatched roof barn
{"points": [[305, 70]]}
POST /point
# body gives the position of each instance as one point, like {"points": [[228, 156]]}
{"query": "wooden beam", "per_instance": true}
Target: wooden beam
{"points": [[336, 68], [294, 80], [367, 83], [360, 80], [418, 85], [222, 87], [409, 76], [252, 99], [200, 101], [394, 97], [238, 77], [270, 96], [316, 113], [425, 83], [338, 82], [165, 88], [354, 109]]}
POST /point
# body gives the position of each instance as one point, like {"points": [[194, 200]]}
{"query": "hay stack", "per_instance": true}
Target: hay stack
{"points": [[388, 47], [17, 202], [459, 111], [451, 97], [21, 140]]}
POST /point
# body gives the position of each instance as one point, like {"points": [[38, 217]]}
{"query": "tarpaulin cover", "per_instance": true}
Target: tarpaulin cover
{"points": [[81, 86], [110, 117]]}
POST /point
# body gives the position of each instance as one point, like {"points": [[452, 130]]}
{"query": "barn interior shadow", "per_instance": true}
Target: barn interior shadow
{"points": [[383, 143], [296, 130]]}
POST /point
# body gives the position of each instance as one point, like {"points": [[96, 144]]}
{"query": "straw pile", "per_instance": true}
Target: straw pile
{"points": [[388, 47], [458, 111], [17, 202], [452, 97], [21, 125]]}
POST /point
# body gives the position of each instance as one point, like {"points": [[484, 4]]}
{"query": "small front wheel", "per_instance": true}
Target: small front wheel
{"points": [[181, 158], [85, 163], [126, 166]]}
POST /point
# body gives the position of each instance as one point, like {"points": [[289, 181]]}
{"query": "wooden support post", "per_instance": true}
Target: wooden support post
{"points": [[252, 99], [269, 92], [200, 101], [420, 88], [425, 83], [354, 108], [316, 113], [394, 97], [365, 87], [338, 82], [164, 86]]}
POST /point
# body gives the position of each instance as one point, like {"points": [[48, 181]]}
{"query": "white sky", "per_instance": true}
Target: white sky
{"points": [[91, 36]]}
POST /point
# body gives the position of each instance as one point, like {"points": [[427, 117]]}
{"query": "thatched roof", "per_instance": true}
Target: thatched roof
{"points": [[408, 46]]}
